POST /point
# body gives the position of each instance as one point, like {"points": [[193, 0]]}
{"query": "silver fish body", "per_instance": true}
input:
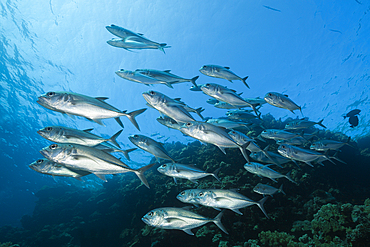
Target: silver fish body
{"points": [[61, 134], [265, 171], [168, 106], [325, 145], [226, 123], [262, 157], [189, 172], [151, 146], [276, 134], [166, 76], [297, 141], [281, 101], [169, 122], [48, 167], [265, 189], [219, 198], [188, 196], [91, 108], [179, 218], [210, 101], [140, 78], [221, 72], [302, 124]]}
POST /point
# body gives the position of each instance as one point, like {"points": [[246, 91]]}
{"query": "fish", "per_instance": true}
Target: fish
{"points": [[135, 40], [276, 134], [165, 75], [220, 198], [353, 121], [62, 134], [90, 159], [281, 101], [325, 145], [131, 43], [169, 122], [226, 123], [240, 115], [106, 147], [297, 141], [189, 172], [227, 95], [180, 219], [48, 167], [188, 196], [265, 189], [198, 111], [209, 133], [141, 78], [303, 124], [351, 113], [196, 88], [210, 101], [94, 109], [151, 146], [304, 155], [222, 72], [265, 171], [224, 105], [262, 157], [168, 106]]}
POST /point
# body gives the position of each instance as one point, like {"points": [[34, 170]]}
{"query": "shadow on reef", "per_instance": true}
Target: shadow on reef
{"points": [[328, 207]]}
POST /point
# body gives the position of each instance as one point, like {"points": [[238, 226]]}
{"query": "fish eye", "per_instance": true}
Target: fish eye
{"points": [[270, 94], [49, 128], [164, 165], [53, 146], [136, 136], [207, 85], [151, 92], [188, 124], [50, 94], [150, 214], [182, 193], [283, 146], [201, 194], [39, 161]]}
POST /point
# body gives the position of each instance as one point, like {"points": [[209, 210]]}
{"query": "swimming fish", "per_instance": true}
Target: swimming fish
{"points": [[221, 72], [141, 78], [168, 122], [188, 196], [302, 124], [353, 121], [135, 43], [166, 76], [265, 189], [180, 219], [277, 134], [351, 113], [94, 109], [281, 101], [324, 145], [266, 171], [189, 172]]}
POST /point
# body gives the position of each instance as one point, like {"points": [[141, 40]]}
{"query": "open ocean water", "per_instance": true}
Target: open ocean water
{"points": [[316, 52]]}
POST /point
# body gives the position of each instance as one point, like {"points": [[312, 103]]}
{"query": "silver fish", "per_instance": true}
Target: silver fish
{"points": [[168, 106], [198, 111], [224, 105], [276, 134], [180, 219], [135, 40], [281, 101], [166, 76], [240, 115], [262, 157], [188, 196], [138, 77], [48, 167], [210, 101], [297, 141], [151, 146], [221, 72], [215, 135], [325, 145], [218, 198], [226, 123], [90, 159], [168, 122], [106, 147], [133, 43], [265, 189], [189, 172], [196, 88], [62, 134], [265, 171], [302, 124], [304, 155], [91, 108]]}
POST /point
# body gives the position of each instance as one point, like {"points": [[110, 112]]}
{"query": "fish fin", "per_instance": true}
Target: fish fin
{"points": [[168, 84], [320, 123], [194, 79], [101, 176], [167, 71], [194, 181], [198, 111], [71, 116], [230, 81], [54, 178], [101, 98], [243, 149], [88, 130], [177, 99], [162, 46], [217, 221], [140, 173], [126, 151], [217, 209], [260, 205], [119, 121], [140, 34], [308, 163], [226, 67], [188, 231], [79, 179], [149, 105], [271, 179], [174, 179], [131, 116], [243, 80], [114, 137], [214, 174], [281, 189], [236, 210], [222, 149], [196, 205], [98, 121], [287, 176]]}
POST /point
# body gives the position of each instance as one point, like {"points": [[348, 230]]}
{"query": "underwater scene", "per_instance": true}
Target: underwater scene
{"points": [[184, 123]]}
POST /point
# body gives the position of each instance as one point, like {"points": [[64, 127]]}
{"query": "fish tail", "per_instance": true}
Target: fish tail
{"points": [[336, 158], [244, 79], [125, 153], [194, 79], [243, 149], [217, 221], [260, 205], [289, 178], [281, 189], [119, 121], [162, 46], [214, 174], [320, 123], [114, 137], [131, 116], [140, 174], [198, 111]]}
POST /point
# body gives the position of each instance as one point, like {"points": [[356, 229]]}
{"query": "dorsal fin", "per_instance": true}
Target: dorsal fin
{"points": [[226, 67], [140, 34], [286, 95], [101, 98], [88, 130], [177, 99], [167, 71]]}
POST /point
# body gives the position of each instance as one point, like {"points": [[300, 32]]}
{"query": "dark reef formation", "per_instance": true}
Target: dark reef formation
{"points": [[328, 207]]}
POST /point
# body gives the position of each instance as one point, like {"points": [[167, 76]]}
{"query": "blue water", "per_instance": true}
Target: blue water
{"points": [[317, 52]]}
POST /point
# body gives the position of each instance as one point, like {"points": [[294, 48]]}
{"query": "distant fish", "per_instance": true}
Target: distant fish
{"points": [[277, 134], [303, 124], [221, 72], [166, 76], [281, 101], [268, 7], [211, 101], [351, 113], [353, 121], [325, 145], [265, 189], [266, 171]]}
